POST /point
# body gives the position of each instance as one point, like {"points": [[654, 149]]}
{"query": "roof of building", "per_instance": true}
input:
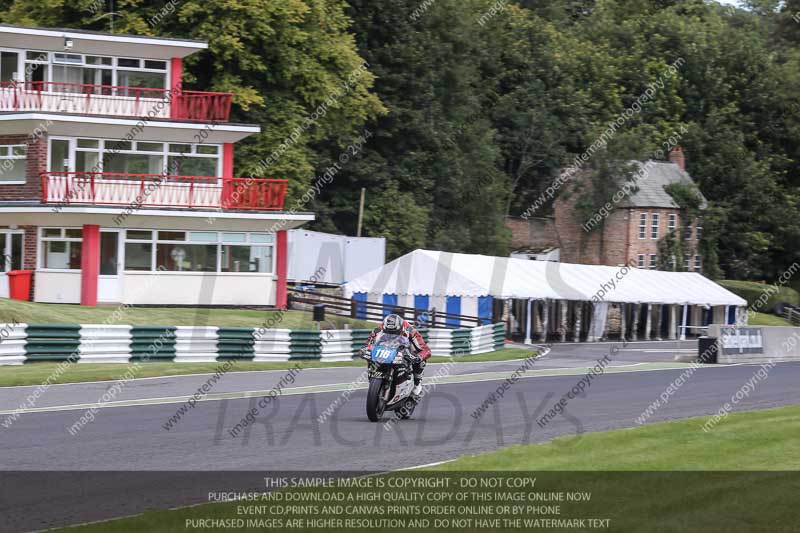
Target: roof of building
{"points": [[11, 28], [653, 177]]}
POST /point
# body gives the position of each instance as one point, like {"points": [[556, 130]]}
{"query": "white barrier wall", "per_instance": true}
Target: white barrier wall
{"points": [[195, 344], [272, 345], [101, 343], [12, 344], [756, 344]]}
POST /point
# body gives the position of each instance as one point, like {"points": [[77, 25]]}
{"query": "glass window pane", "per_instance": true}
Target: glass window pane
{"points": [[171, 235], [192, 166], [16, 251], [61, 254], [36, 73], [8, 66], [73, 233], [59, 155], [108, 253], [246, 259], [75, 59], [139, 234], [12, 169], [6, 266], [96, 76], [187, 257], [128, 62], [87, 161], [134, 163], [234, 237], [211, 150], [203, 236], [51, 232], [138, 256], [150, 147], [147, 80], [180, 148], [88, 143], [97, 60], [262, 237], [158, 65], [36, 56]]}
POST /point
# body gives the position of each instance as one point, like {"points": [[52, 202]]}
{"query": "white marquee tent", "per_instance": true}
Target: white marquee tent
{"points": [[466, 284]]}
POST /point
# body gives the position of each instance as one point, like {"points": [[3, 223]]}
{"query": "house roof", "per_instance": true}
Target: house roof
{"points": [[653, 177]]}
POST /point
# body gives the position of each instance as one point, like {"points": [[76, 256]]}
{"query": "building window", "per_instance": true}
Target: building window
{"points": [[198, 251], [641, 261], [654, 226], [687, 232], [13, 161], [698, 264], [698, 231], [61, 248], [687, 264], [652, 261], [643, 226], [135, 157], [672, 222]]}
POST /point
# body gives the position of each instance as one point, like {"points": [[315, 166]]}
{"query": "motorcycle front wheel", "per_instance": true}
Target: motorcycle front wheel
{"points": [[376, 403]]}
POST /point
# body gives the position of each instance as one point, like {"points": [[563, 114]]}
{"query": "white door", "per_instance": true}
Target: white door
{"points": [[109, 283], [11, 248]]}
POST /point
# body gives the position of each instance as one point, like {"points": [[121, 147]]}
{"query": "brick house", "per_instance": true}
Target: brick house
{"points": [[117, 186], [630, 234]]}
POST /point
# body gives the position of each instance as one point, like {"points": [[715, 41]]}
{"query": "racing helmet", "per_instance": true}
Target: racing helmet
{"points": [[393, 324]]}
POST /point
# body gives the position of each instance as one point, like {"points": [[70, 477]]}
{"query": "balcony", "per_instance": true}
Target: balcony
{"points": [[158, 190], [112, 100]]}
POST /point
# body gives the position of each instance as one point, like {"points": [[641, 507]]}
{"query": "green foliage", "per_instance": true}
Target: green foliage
{"points": [[474, 116], [752, 291]]}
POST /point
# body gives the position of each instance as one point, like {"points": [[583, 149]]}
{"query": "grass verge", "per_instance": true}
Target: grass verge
{"points": [[763, 319], [742, 476], [30, 312], [36, 373]]}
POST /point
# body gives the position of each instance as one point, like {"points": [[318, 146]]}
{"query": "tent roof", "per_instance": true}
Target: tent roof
{"points": [[428, 272]]}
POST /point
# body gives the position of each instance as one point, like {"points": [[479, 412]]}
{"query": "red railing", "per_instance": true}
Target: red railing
{"points": [[114, 100], [158, 190]]}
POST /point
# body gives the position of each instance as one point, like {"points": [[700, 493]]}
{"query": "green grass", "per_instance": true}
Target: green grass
{"points": [[29, 312], [632, 477], [754, 440], [763, 319], [36, 373], [752, 291]]}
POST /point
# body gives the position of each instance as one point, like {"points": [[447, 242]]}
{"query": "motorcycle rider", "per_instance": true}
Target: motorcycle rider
{"points": [[394, 324]]}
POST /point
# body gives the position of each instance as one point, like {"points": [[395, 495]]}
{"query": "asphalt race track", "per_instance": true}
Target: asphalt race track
{"points": [[289, 434]]}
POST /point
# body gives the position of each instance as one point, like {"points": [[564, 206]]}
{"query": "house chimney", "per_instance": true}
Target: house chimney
{"points": [[676, 156]]}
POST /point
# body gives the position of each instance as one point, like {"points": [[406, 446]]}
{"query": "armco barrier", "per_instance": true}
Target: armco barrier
{"points": [[99, 343], [12, 344]]}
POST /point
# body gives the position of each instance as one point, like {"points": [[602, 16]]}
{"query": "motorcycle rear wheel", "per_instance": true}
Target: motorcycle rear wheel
{"points": [[376, 404]]}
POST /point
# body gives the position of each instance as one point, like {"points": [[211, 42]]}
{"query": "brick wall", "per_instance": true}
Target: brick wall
{"points": [[532, 234], [29, 254], [36, 164]]}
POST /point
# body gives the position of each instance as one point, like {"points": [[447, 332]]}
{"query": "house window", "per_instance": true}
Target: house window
{"points": [[654, 226], [13, 161], [687, 264], [698, 232], [641, 261], [672, 222], [687, 232], [652, 261], [643, 226], [698, 264], [61, 248], [199, 251]]}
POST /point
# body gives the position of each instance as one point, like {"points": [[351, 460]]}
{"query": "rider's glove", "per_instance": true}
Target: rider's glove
{"points": [[364, 353]]}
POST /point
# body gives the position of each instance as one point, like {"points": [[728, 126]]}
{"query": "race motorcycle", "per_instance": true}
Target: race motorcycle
{"points": [[391, 377]]}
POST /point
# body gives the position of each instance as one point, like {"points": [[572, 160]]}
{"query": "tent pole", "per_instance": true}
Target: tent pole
{"points": [[529, 319], [563, 306], [671, 325], [578, 306], [648, 322], [635, 322], [545, 319], [623, 326], [685, 319]]}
